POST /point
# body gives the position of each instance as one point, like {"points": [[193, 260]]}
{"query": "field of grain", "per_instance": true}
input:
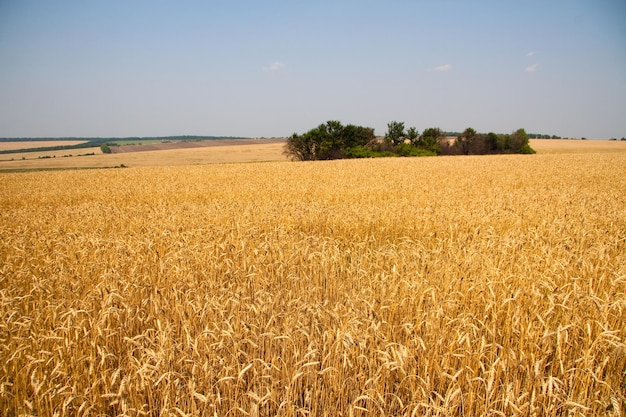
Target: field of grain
{"points": [[215, 154], [224, 151], [450, 286], [560, 146], [11, 146]]}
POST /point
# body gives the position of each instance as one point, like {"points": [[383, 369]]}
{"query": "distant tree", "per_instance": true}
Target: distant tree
{"points": [[519, 142], [329, 136], [395, 133], [328, 141], [503, 144], [430, 140], [413, 135], [465, 140], [300, 148], [491, 140], [353, 136], [105, 148]]}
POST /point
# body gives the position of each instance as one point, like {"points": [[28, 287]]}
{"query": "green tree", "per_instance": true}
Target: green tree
{"points": [[465, 139], [413, 135], [430, 140], [491, 140], [519, 142], [329, 140], [352, 136], [395, 133], [300, 147]]}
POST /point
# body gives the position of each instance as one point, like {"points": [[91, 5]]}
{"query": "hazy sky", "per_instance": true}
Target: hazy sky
{"points": [[271, 68]]}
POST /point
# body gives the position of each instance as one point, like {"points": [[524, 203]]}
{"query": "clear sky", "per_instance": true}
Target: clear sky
{"points": [[272, 68]]}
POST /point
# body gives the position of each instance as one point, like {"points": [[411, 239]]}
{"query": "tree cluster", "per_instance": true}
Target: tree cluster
{"points": [[471, 142], [332, 140], [542, 136], [410, 140]]}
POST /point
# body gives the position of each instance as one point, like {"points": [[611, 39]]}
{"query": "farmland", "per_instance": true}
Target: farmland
{"points": [[162, 154], [11, 146], [217, 152], [465, 286]]}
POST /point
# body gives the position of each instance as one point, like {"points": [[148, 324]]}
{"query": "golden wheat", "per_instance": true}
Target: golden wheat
{"points": [[466, 286]]}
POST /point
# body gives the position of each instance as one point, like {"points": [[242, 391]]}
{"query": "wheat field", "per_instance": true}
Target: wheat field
{"points": [[449, 286]]}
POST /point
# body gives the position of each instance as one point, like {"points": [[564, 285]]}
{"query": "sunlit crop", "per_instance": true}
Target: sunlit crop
{"points": [[461, 286]]}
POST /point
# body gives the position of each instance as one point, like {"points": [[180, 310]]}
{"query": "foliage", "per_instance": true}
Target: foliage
{"points": [[407, 149], [105, 148], [542, 136], [518, 139], [471, 142], [331, 140], [395, 133], [413, 135], [431, 140], [367, 152], [526, 149]]}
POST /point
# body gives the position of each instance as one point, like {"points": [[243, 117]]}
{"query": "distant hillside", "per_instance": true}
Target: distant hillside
{"points": [[95, 142]]}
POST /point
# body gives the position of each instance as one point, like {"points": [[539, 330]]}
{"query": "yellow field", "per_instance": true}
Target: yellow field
{"points": [[271, 151], [460, 286], [10, 146], [175, 157], [577, 146]]}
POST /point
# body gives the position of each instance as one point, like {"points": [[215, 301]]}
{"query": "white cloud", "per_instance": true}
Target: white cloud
{"points": [[274, 66], [531, 53], [532, 68], [441, 68]]}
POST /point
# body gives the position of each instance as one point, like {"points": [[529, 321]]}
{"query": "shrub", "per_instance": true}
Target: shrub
{"points": [[527, 150]]}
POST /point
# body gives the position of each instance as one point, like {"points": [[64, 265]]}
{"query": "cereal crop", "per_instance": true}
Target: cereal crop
{"points": [[448, 286]]}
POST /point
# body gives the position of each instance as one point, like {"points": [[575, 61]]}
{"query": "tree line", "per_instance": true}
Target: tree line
{"points": [[333, 140]]}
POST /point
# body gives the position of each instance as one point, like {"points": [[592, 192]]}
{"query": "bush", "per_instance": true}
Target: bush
{"points": [[406, 149], [526, 149], [358, 152], [363, 152]]}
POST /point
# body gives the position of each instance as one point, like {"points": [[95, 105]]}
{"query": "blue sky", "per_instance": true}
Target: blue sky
{"points": [[271, 68]]}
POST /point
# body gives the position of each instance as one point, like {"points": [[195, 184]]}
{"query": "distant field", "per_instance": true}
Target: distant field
{"points": [[217, 152], [128, 142], [165, 146], [577, 146], [225, 151], [10, 146]]}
